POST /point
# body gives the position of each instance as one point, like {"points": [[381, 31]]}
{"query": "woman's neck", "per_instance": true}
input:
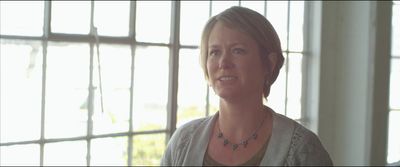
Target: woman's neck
{"points": [[240, 118]]}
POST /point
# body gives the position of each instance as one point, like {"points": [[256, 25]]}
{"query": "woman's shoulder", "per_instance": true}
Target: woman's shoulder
{"points": [[305, 147], [175, 153], [192, 125], [298, 130], [184, 133]]}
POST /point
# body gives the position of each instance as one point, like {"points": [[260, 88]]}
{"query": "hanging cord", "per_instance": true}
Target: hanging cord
{"points": [[96, 36]]}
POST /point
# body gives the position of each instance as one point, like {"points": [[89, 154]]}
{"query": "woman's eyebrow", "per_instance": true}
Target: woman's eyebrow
{"points": [[230, 45], [213, 46], [238, 44]]}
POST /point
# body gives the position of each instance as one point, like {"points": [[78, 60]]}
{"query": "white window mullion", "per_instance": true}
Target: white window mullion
{"points": [[90, 99], [132, 24], [173, 69], [46, 30]]}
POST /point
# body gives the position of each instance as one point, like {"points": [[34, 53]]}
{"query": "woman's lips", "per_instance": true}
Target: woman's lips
{"points": [[227, 78]]}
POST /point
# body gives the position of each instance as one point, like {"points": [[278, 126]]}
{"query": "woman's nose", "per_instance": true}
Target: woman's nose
{"points": [[226, 61]]}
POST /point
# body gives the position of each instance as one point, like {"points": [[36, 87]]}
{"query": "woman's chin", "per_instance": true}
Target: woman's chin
{"points": [[228, 94]]}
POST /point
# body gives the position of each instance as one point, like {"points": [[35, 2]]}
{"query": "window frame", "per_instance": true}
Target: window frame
{"points": [[174, 47]]}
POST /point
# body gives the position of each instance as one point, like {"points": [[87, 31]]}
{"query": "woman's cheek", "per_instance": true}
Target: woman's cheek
{"points": [[210, 74]]}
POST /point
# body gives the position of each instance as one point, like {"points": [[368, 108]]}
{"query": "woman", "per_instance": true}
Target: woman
{"points": [[241, 57]]}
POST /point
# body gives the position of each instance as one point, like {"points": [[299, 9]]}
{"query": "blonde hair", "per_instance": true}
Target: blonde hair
{"points": [[256, 26]]}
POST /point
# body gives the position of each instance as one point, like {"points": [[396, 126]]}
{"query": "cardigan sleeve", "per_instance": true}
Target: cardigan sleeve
{"points": [[167, 156], [307, 150], [177, 147]]}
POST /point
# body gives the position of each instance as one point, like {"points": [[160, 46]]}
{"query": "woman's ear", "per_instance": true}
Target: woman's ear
{"points": [[272, 60], [209, 83]]}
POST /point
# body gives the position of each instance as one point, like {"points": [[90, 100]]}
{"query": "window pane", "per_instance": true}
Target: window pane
{"points": [[20, 155], [21, 83], [394, 84], [150, 88], [116, 78], [277, 13], [296, 26], [396, 30], [219, 6], [112, 18], [148, 149], [27, 23], [276, 98], [153, 20], [67, 89], [109, 151], [65, 153], [294, 86], [394, 137], [194, 15], [72, 17], [192, 87], [393, 147], [258, 6]]}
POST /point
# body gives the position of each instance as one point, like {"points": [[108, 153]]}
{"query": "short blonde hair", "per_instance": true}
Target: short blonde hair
{"points": [[256, 26]]}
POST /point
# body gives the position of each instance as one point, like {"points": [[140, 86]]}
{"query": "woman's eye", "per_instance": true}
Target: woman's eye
{"points": [[213, 53], [238, 51]]}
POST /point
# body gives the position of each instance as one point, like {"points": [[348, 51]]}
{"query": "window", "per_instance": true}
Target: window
{"points": [[394, 97], [50, 77]]}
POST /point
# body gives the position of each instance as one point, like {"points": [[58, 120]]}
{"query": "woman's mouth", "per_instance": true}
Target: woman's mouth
{"points": [[227, 78]]}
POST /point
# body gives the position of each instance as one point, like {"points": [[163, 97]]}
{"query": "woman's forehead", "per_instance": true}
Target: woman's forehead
{"points": [[221, 32]]}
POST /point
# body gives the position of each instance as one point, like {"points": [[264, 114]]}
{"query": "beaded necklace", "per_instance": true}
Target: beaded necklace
{"points": [[244, 142]]}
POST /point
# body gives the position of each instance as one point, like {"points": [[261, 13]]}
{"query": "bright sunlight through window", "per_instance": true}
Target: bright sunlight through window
{"points": [[67, 100], [394, 102]]}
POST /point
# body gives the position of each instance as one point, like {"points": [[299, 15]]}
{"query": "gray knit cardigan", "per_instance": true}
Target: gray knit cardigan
{"points": [[290, 144]]}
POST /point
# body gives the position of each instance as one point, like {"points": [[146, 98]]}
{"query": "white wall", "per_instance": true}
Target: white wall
{"points": [[343, 68]]}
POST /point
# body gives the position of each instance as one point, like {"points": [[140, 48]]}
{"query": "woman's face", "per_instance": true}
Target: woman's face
{"points": [[234, 64]]}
